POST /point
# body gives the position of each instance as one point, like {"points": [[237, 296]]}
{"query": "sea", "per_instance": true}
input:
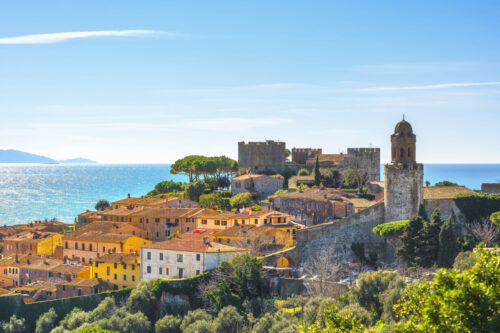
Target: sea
{"points": [[31, 192]]}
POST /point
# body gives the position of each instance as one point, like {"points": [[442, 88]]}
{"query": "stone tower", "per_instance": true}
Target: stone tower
{"points": [[403, 177]]}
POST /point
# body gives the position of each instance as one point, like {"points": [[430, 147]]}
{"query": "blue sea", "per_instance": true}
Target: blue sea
{"points": [[29, 192]]}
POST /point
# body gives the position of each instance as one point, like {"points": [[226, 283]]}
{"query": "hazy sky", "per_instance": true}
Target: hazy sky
{"points": [[152, 81]]}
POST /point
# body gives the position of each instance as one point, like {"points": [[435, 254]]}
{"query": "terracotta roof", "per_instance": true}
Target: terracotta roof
{"points": [[362, 203], [246, 230], [246, 214], [4, 292], [21, 260], [39, 285], [170, 212], [80, 283], [445, 192], [36, 236], [140, 201], [122, 211], [190, 242], [89, 213], [248, 176], [94, 231], [68, 269], [317, 194], [42, 263], [120, 258]]}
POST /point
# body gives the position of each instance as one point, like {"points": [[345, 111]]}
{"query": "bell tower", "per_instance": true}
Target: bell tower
{"points": [[403, 177]]}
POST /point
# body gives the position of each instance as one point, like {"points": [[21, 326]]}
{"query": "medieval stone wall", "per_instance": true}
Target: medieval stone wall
{"points": [[306, 211], [300, 155], [364, 158], [403, 190], [446, 206], [262, 156], [338, 236]]}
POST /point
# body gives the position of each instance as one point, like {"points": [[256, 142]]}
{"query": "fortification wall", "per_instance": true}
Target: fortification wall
{"points": [[403, 190], [364, 158], [262, 156], [300, 155], [338, 237], [446, 206]]}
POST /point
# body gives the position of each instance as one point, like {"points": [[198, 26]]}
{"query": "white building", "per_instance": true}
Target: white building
{"points": [[187, 255]]}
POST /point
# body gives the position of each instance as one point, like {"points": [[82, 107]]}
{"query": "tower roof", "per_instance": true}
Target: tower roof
{"points": [[403, 127]]}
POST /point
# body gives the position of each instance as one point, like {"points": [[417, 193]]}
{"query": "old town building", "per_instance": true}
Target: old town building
{"points": [[186, 255], [260, 186], [120, 269], [32, 243]]}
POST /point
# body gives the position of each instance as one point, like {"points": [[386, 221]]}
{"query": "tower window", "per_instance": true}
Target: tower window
{"points": [[401, 153], [409, 152]]}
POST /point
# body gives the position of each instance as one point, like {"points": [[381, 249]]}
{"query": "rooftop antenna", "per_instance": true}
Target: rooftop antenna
{"points": [[403, 116]]}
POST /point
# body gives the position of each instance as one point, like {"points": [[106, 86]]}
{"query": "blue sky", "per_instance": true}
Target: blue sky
{"points": [[152, 81]]}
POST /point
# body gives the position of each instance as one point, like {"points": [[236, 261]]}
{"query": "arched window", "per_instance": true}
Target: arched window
{"points": [[393, 153], [409, 152], [401, 153]]}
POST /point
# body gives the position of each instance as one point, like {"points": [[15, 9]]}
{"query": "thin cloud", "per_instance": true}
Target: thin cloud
{"points": [[435, 86], [65, 36]]}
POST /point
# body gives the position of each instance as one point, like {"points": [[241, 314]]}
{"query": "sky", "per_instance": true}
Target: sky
{"points": [[153, 81]]}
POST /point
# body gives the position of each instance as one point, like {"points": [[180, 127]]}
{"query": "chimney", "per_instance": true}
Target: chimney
{"points": [[128, 195]]}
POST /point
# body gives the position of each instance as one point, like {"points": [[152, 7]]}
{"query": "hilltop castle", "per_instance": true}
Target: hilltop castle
{"points": [[270, 156]]}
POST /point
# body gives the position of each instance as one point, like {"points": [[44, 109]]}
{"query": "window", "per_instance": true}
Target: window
{"points": [[83, 246], [140, 220], [228, 240], [161, 256], [160, 271], [79, 292], [107, 270], [224, 222], [149, 255], [116, 277], [149, 269], [187, 229], [115, 265], [166, 271], [217, 222], [265, 221], [96, 275], [133, 267], [124, 266], [76, 246], [147, 220], [66, 245], [104, 249], [197, 271], [401, 153], [242, 221], [181, 273], [409, 152], [83, 259], [220, 240], [203, 221], [198, 257], [256, 221], [248, 241], [180, 258], [90, 247], [157, 234], [124, 277], [133, 277], [157, 219]]}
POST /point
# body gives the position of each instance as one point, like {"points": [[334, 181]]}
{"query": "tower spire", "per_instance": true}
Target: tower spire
{"points": [[403, 116]]}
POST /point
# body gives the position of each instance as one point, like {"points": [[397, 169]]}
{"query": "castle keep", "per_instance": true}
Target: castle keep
{"points": [[404, 177], [262, 156]]}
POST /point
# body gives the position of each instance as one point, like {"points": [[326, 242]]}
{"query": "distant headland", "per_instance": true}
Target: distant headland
{"points": [[17, 156]]}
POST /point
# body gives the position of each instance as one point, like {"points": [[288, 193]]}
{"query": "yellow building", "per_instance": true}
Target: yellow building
{"points": [[123, 270], [97, 239], [247, 217], [33, 243], [258, 239]]}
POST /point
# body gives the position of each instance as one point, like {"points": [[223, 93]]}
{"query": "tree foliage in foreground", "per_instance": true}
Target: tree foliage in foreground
{"points": [[102, 204], [391, 230], [454, 301], [495, 218]]}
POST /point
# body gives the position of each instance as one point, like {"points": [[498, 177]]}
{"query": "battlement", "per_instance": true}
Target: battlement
{"points": [[362, 150], [307, 150], [262, 143]]}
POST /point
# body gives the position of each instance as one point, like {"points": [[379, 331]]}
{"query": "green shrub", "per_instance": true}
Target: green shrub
{"points": [[390, 230], [464, 260], [478, 206], [495, 218]]}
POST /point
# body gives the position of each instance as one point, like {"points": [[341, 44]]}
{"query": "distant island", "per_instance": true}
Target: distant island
{"points": [[17, 156], [78, 160]]}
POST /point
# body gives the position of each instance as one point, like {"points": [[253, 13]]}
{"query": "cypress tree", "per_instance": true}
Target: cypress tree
{"points": [[411, 240], [448, 245], [317, 175], [429, 240], [422, 213]]}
